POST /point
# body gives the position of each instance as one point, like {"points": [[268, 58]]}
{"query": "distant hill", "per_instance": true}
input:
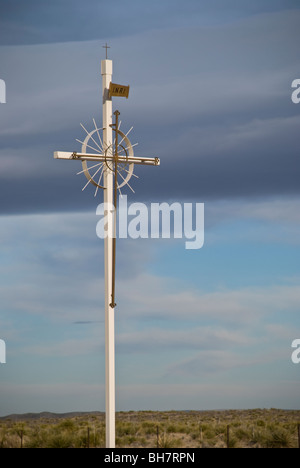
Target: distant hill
{"points": [[49, 415]]}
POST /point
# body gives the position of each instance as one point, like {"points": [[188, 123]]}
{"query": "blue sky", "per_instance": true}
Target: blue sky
{"points": [[210, 94]]}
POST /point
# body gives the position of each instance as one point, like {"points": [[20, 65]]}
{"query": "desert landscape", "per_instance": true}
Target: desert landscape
{"points": [[255, 428]]}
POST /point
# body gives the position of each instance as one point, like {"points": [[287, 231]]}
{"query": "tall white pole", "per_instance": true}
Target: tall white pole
{"points": [[106, 72], [111, 154]]}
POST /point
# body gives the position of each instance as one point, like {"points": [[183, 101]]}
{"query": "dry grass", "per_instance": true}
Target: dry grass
{"points": [[258, 428]]}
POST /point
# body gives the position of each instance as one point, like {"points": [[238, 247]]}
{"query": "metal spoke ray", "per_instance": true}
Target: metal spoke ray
{"points": [[92, 167], [128, 172], [97, 130], [88, 133], [90, 180], [100, 177], [89, 146], [125, 135], [131, 146], [126, 182]]}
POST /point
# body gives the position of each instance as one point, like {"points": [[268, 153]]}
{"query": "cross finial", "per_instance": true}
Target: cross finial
{"points": [[106, 47]]}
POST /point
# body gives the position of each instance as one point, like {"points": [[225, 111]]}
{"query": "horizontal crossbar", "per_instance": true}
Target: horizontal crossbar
{"points": [[103, 157]]}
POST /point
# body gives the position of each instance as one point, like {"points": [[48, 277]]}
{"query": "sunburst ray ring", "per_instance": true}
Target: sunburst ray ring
{"points": [[125, 149]]}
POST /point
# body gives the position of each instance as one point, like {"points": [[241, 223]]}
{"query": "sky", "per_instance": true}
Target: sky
{"points": [[210, 95]]}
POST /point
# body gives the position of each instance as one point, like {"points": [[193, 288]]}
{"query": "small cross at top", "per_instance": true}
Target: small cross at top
{"points": [[106, 47]]}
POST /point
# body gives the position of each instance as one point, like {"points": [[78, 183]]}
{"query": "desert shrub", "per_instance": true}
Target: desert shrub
{"points": [[195, 435], [171, 428], [165, 441], [63, 440], [3, 438], [242, 434], [260, 423], [257, 438], [278, 438], [38, 439], [96, 438], [149, 427], [181, 428], [126, 429], [129, 439], [209, 433], [67, 424], [232, 441]]}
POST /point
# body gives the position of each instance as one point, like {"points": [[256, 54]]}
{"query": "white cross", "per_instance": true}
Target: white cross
{"points": [[110, 199]]}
